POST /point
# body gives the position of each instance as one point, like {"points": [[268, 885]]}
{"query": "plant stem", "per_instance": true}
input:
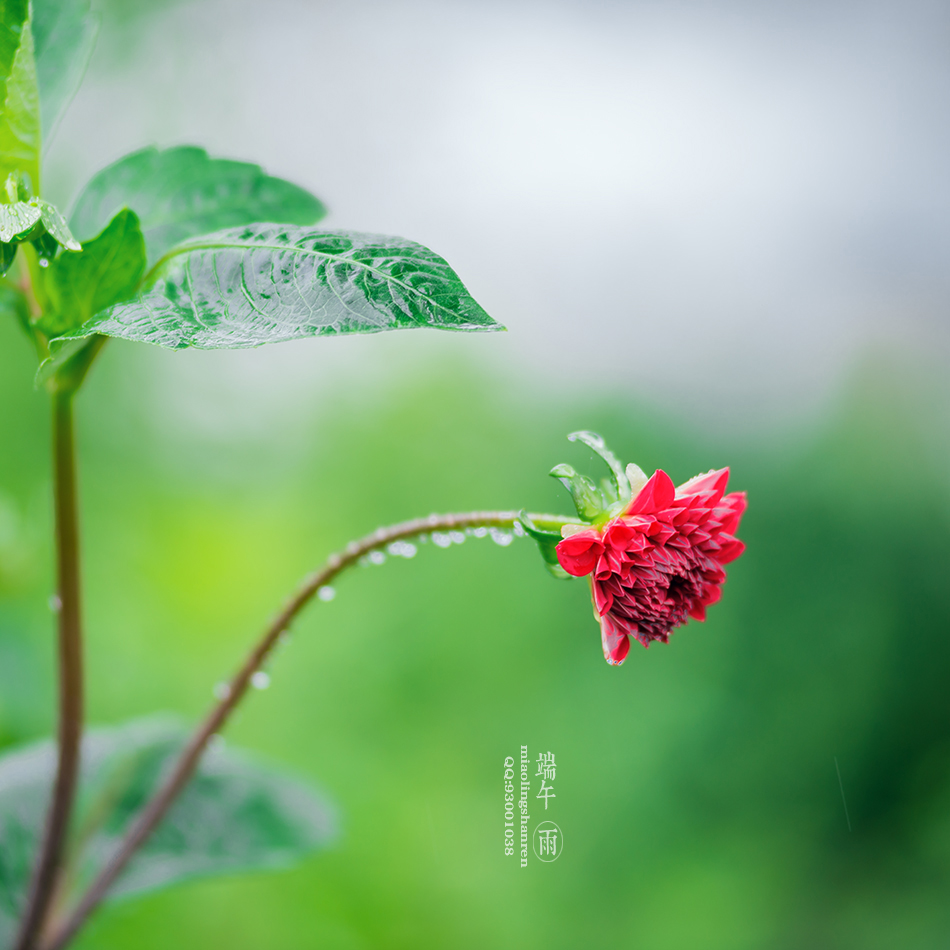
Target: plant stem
{"points": [[70, 675], [156, 808]]}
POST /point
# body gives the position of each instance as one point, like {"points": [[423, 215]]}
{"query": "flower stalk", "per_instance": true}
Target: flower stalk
{"points": [[184, 768]]}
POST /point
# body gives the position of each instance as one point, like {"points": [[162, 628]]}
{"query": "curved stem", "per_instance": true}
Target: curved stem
{"points": [[45, 871], [156, 808]]}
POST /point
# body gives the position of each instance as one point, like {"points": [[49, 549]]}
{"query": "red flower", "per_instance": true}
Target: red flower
{"points": [[659, 562]]}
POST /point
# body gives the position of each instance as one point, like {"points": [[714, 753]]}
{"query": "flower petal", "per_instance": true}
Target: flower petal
{"points": [[578, 554], [657, 494], [715, 481], [616, 642]]}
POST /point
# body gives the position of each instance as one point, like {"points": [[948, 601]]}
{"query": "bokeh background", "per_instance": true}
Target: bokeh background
{"points": [[717, 234]]}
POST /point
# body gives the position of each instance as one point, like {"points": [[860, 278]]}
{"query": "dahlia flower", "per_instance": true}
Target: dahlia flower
{"points": [[654, 553]]}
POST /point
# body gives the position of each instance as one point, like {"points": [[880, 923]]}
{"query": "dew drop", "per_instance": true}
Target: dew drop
{"points": [[326, 593], [55, 604], [221, 690], [402, 549], [480, 531], [260, 680], [518, 529], [44, 262], [503, 538], [456, 537], [377, 557], [441, 540]]}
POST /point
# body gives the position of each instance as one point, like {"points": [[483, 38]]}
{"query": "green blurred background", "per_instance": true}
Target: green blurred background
{"points": [[698, 785]]}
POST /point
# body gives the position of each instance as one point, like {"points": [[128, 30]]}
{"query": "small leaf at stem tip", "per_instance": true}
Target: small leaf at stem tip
{"points": [[55, 225], [108, 270], [18, 221], [19, 98]]}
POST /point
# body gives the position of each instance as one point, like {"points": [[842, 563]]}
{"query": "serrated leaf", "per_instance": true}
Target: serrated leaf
{"points": [[18, 220], [234, 815], [20, 109], [266, 284], [80, 284], [64, 34], [180, 193]]}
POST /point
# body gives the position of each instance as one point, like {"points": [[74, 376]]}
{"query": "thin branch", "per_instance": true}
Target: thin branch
{"points": [[155, 810], [47, 866]]}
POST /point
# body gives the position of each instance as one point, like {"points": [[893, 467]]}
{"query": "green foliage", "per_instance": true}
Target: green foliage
{"points": [[267, 283], [234, 815], [20, 112], [64, 34], [19, 220], [107, 270], [180, 193]]}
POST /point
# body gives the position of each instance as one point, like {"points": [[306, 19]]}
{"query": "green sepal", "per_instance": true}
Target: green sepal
{"points": [[588, 499], [619, 490], [547, 542]]}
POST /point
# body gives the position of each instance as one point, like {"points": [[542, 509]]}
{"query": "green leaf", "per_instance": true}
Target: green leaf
{"points": [[18, 220], [267, 283], [234, 815], [20, 111], [180, 193], [56, 226], [64, 34], [107, 270], [7, 256], [14, 15]]}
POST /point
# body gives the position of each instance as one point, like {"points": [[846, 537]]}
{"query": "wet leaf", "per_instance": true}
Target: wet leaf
{"points": [[64, 34], [234, 815], [180, 193], [267, 283], [18, 220]]}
